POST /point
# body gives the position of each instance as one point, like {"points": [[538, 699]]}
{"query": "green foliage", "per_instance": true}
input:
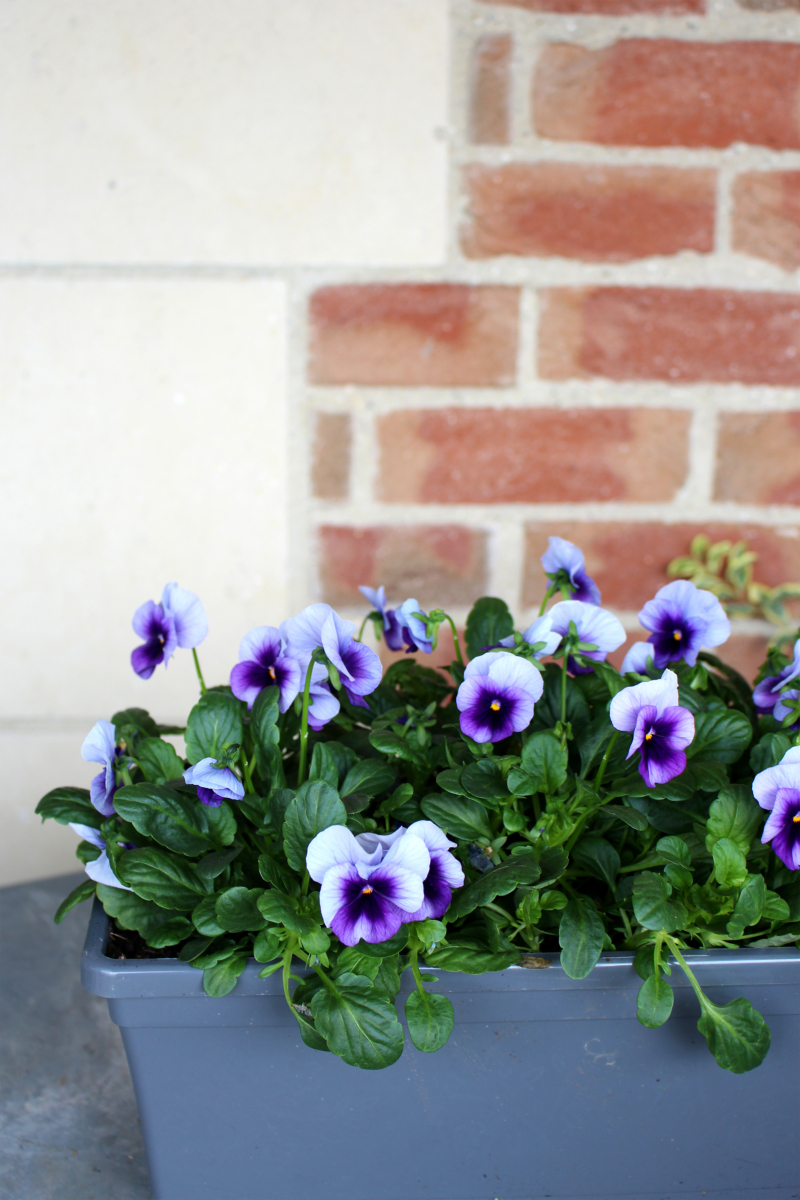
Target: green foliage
{"points": [[489, 621], [174, 820], [65, 804], [580, 936], [430, 1019], [315, 807], [214, 723]]}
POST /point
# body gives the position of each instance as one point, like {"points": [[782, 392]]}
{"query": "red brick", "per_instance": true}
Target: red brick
{"points": [[490, 91], [512, 455], [438, 565], [612, 8], [596, 213], [628, 560], [758, 458], [678, 335], [659, 92], [330, 467], [766, 216], [439, 334]]}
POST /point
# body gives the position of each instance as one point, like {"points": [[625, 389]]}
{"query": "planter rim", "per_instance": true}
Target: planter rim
{"points": [[115, 978]]}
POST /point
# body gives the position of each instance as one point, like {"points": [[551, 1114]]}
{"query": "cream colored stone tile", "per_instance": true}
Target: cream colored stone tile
{"points": [[143, 440], [255, 131]]}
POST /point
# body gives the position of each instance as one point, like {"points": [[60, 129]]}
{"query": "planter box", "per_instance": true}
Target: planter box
{"points": [[548, 1086]]}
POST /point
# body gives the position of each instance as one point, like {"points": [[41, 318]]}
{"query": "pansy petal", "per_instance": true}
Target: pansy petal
{"points": [[625, 706], [336, 635], [333, 847], [99, 745], [362, 668], [148, 620], [100, 872], [785, 775], [186, 609], [376, 598], [594, 625], [409, 853], [433, 837], [261, 645], [540, 630], [88, 834], [562, 555], [381, 841], [303, 633]]}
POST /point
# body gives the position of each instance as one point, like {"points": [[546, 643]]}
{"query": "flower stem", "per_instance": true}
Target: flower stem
{"points": [[203, 688], [247, 770], [413, 962], [456, 642], [363, 627], [301, 770], [551, 591], [673, 946], [601, 770]]}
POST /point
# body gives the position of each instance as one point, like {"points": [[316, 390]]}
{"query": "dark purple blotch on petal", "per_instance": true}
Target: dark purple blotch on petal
{"points": [[493, 709], [371, 901], [661, 757]]}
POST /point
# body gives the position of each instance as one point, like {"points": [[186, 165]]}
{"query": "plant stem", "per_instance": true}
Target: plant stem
{"points": [[413, 957], [328, 982], [564, 694], [287, 966], [547, 596], [673, 945], [301, 770], [247, 770], [203, 688], [601, 770], [642, 865], [363, 627], [456, 642]]}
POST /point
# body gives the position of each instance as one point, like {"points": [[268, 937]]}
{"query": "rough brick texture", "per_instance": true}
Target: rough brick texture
{"points": [[659, 92], [679, 335], [591, 212], [406, 334], [490, 91], [758, 458], [436, 564], [491, 456], [628, 560], [612, 8], [330, 467], [766, 216]]}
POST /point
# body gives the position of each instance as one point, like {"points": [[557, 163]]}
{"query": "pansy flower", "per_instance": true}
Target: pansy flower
{"points": [[539, 633], [214, 784], [445, 874], [595, 626], [319, 627], [637, 658], [561, 555], [661, 728], [412, 628], [392, 630], [179, 620], [100, 869], [262, 664], [682, 619], [323, 705], [367, 895], [778, 790], [497, 696], [767, 695], [100, 747]]}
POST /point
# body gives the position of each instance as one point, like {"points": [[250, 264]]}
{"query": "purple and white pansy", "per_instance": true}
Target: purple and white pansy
{"points": [[413, 630], [99, 746], [682, 619], [323, 705], [372, 883], [319, 627], [261, 664], [214, 784], [768, 695], [595, 626], [99, 869], [179, 620], [661, 728], [392, 630], [539, 633], [497, 696], [777, 789], [562, 556], [637, 658]]}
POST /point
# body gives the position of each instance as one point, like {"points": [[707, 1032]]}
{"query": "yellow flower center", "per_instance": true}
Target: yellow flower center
{"points": [[367, 891], [495, 706], [676, 633], [272, 672], [648, 737], [796, 818]]}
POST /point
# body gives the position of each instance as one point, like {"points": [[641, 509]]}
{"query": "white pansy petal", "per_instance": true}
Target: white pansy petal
{"points": [[407, 887], [88, 834], [430, 833], [785, 774], [331, 848], [792, 755], [411, 854], [99, 743], [626, 705], [188, 614], [379, 841], [637, 658], [510, 671], [100, 871]]}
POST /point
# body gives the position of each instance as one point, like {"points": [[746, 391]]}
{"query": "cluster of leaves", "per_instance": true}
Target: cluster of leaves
{"points": [[562, 844], [726, 569]]}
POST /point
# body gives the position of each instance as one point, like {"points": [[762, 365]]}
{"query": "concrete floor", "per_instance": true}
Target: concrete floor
{"points": [[68, 1123]]}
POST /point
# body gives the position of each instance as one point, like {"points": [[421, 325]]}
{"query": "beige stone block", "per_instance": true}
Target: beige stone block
{"points": [[255, 131], [143, 441]]}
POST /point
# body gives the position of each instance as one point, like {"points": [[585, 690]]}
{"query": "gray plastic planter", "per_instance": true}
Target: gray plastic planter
{"points": [[548, 1087]]}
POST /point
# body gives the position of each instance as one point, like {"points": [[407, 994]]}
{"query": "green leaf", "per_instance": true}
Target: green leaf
{"points": [[86, 852], [594, 741], [221, 979], [131, 912], [654, 1001], [387, 949], [370, 777], [737, 1035], [316, 941], [517, 870], [273, 872], [274, 906], [215, 721], [194, 948], [166, 816], [775, 908], [553, 901], [722, 735], [730, 866], [315, 807], [553, 862], [749, 906], [134, 723], [652, 905], [472, 960], [396, 747], [665, 817], [735, 815], [204, 917], [264, 717], [158, 760], [681, 878], [352, 961], [267, 946], [173, 931], [545, 761], [237, 909], [484, 780], [548, 707], [215, 863], [65, 804], [768, 752], [674, 850], [709, 776], [678, 790], [631, 816], [598, 857], [309, 1032], [489, 621], [323, 766], [580, 935], [430, 1020], [363, 1031], [221, 823], [387, 981], [465, 819], [160, 876], [83, 891]]}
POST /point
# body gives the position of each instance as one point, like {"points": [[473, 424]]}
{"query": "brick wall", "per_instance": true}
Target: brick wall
{"points": [[611, 351]]}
